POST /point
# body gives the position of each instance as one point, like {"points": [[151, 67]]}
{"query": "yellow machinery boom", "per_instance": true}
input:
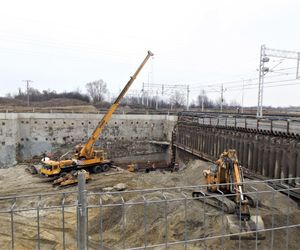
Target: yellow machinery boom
{"points": [[86, 156], [87, 150]]}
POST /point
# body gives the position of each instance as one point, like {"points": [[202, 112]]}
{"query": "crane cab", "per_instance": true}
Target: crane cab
{"points": [[53, 168]]}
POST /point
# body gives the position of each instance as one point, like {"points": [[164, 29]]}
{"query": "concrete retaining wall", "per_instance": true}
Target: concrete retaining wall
{"points": [[24, 135]]}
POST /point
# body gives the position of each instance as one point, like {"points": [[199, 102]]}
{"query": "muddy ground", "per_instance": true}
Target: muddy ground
{"points": [[129, 223]]}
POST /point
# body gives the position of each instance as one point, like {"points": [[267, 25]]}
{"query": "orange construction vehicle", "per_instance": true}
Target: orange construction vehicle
{"points": [[225, 190], [86, 156]]}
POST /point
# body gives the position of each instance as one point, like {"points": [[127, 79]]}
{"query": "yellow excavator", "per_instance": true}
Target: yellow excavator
{"points": [[225, 191], [86, 156]]}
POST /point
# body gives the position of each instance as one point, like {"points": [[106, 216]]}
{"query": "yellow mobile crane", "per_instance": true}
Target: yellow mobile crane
{"points": [[86, 157]]}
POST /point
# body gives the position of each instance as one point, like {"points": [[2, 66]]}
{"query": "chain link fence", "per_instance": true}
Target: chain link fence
{"points": [[163, 218]]}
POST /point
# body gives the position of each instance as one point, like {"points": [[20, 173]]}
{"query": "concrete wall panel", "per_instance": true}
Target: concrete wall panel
{"points": [[24, 135]]}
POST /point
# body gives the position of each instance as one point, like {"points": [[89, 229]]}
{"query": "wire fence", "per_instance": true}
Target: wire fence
{"points": [[162, 218]]}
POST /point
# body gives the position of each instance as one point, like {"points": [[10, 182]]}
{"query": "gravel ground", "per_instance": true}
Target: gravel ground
{"points": [[198, 221]]}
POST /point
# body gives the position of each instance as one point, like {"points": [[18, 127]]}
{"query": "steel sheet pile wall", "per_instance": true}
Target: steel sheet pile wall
{"points": [[273, 156]]}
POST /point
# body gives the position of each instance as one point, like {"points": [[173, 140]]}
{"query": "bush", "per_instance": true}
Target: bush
{"points": [[36, 96]]}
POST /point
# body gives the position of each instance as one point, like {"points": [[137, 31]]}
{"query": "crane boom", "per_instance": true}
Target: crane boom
{"points": [[86, 151]]}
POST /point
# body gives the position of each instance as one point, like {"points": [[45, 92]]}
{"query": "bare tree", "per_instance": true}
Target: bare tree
{"points": [[234, 104], [218, 102], [9, 95], [96, 90], [46, 95], [204, 101], [177, 99]]}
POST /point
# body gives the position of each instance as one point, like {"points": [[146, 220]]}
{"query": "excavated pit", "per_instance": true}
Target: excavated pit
{"points": [[24, 136], [113, 219], [129, 139]]}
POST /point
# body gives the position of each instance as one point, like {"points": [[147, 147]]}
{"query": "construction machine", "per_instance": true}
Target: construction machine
{"points": [[86, 156], [152, 166], [225, 191], [71, 178]]}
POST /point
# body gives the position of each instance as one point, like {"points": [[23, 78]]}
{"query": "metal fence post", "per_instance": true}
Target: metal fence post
{"points": [[63, 220], [12, 224], [101, 222], [38, 223], [145, 220], [185, 219], [82, 225], [166, 219]]}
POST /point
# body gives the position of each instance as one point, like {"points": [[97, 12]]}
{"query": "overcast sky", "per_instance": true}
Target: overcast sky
{"points": [[62, 45]]}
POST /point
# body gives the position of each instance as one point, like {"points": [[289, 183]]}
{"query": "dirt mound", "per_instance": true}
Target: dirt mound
{"points": [[56, 104]]}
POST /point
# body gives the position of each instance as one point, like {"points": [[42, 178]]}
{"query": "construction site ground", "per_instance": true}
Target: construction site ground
{"points": [[15, 181]]}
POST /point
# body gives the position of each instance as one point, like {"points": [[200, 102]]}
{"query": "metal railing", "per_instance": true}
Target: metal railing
{"points": [[162, 218], [274, 124]]}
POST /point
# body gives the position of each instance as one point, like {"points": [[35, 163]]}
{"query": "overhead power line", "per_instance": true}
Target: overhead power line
{"points": [[27, 89], [268, 86]]}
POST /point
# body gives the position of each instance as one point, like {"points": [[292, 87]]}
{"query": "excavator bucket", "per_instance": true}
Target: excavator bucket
{"points": [[33, 169], [246, 230]]}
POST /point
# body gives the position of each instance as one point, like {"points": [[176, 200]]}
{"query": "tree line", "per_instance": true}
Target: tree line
{"points": [[97, 90], [39, 96]]}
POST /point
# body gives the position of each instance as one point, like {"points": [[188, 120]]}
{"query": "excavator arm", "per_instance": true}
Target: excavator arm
{"points": [[86, 151], [238, 180], [235, 179], [226, 177]]}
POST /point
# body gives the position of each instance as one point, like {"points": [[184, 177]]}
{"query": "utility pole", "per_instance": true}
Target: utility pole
{"points": [[243, 97], [148, 89], [162, 93], [156, 104], [187, 97], [259, 112], [202, 101], [222, 96], [265, 53], [27, 88], [143, 94]]}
